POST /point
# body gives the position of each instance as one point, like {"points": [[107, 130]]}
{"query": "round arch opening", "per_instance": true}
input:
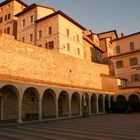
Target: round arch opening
{"points": [[63, 104], [30, 104], [48, 104], [75, 104], [9, 103]]}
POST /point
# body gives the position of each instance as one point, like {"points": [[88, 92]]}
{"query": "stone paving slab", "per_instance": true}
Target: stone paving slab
{"points": [[102, 127]]}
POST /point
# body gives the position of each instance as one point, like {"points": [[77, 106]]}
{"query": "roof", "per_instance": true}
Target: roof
{"points": [[109, 32], [32, 6], [65, 16], [125, 53], [8, 1], [92, 43], [125, 36]]}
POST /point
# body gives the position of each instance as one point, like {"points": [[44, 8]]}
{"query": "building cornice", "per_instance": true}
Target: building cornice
{"points": [[8, 1], [124, 54]]}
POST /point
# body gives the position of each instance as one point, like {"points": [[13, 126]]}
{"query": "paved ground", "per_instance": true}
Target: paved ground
{"points": [[102, 127]]}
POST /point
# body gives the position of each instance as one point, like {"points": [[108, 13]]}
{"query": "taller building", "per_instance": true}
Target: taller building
{"points": [[27, 29], [8, 20], [126, 58]]}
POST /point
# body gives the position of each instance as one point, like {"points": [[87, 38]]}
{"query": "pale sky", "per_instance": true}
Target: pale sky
{"points": [[100, 15]]}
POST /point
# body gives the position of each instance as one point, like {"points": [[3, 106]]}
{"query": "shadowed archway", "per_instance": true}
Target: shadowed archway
{"points": [[63, 104], [48, 104], [93, 103], [30, 104], [75, 104], [9, 102], [106, 103], [100, 103], [134, 102]]}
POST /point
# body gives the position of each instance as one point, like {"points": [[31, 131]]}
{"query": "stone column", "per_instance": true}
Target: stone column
{"points": [[81, 103], [103, 104], [1, 108], [89, 105], [109, 102], [20, 110], [56, 108], [97, 106], [69, 107], [40, 109]]}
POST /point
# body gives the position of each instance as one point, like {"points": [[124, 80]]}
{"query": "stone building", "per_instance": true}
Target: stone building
{"points": [[8, 20], [55, 68]]}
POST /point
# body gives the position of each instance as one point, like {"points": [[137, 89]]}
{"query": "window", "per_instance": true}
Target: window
{"points": [[131, 46], [68, 32], [39, 45], [119, 64], [78, 50], [68, 46], [23, 39], [133, 61], [23, 23], [4, 30], [31, 19], [8, 30], [50, 30], [5, 17], [135, 77], [1, 19], [118, 49], [50, 45], [77, 37], [40, 34], [31, 37], [9, 16]]}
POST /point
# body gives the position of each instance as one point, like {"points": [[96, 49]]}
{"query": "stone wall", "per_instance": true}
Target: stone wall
{"points": [[20, 59]]}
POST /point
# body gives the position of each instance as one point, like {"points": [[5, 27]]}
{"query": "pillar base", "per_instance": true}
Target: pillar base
{"points": [[20, 121]]}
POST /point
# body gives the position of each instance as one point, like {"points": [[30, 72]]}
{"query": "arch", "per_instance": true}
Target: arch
{"points": [[75, 104], [121, 98], [30, 104], [48, 104], [63, 104], [112, 104], [134, 102], [100, 103], [121, 104], [85, 104], [93, 103], [106, 103], [9, 102]]}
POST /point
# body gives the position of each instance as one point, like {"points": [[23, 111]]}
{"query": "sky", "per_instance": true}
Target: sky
{"points": [[99, 15]]}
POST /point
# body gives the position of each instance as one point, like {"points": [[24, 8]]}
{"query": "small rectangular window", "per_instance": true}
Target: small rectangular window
{"points": [[31, 19], [49, 45], [77, 37], [118, 50], [135, 77], [5, 17], [68, 46], [23, 39], [31, 37], [132, 46], [78, 50], [9, 16], [1, 19], [68, 32], [133, 61], [50, 30], [23, 23], [8, 30], [119, 64], [40, 34]]}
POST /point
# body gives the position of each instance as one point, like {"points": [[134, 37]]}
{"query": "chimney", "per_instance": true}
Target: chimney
{"points": [[122, 34]]}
